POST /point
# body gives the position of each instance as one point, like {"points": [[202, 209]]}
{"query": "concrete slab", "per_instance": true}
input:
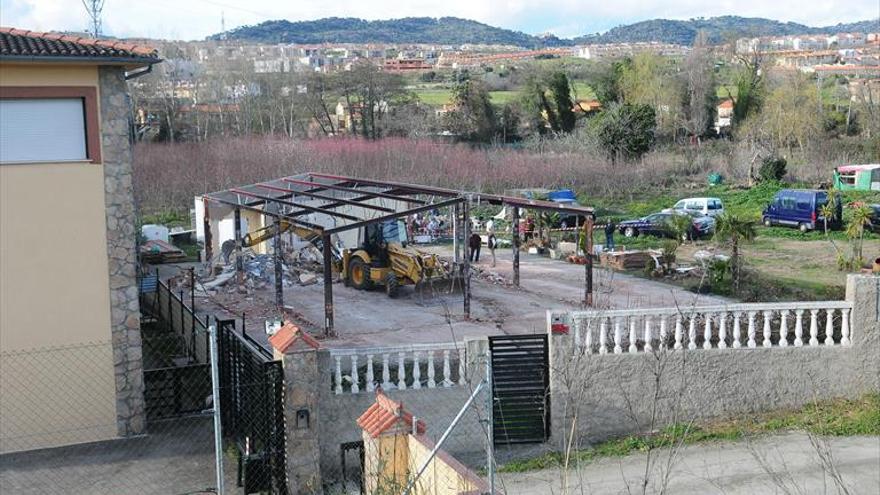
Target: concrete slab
{"points": [[370, 318]]}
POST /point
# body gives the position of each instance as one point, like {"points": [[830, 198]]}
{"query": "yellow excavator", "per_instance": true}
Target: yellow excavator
{"points": [[382, 258]]}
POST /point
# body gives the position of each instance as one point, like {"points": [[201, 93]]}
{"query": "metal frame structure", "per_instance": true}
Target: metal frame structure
{"points": [[294, 198]]}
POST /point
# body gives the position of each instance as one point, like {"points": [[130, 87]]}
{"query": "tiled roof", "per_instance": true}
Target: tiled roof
{"points": [[288, 335], [385, 414], [33, 44]]}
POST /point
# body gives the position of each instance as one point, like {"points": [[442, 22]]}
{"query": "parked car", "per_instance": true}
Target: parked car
{"points": [[712, 207], [659, 224], [801, 208], [875, 218]]}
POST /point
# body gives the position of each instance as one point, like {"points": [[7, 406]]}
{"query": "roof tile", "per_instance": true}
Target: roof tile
{"points": [[386, 413], [23, 43], [287, 337]]}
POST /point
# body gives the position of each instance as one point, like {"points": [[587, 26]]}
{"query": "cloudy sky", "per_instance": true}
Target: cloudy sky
{"points": [[195, 19]]}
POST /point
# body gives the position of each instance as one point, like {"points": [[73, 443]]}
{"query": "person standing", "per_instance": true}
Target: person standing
{"points": [[609, 234], [491, 243], [474, 243]]}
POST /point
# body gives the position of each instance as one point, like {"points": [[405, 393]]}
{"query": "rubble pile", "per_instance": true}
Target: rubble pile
{"points": [[491, 276], [299, 267]]}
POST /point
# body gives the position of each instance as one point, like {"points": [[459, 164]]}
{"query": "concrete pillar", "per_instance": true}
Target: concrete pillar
{"points": [[299, 355], [864, 293]]}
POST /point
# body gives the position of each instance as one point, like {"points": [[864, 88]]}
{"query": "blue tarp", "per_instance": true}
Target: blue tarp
{"points": [[562, 196]]}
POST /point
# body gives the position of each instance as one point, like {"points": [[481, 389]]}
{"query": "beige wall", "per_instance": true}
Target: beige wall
{"points": [[54, 289]]}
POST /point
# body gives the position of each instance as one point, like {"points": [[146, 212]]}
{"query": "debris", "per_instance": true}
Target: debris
{"points": [[308, 278], [625, 260], [159, 251]]}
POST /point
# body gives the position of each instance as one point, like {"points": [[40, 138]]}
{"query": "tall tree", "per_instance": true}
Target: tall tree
{"points": [[700, 100], [473, 118], [626, 131], [647, 81], [749, 85]]}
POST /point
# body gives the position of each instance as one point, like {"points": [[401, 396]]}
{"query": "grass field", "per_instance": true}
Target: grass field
{"points": [[439, 96], [832, 418]]}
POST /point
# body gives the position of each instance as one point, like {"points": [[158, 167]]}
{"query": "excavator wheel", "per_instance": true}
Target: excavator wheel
{"points": [[359, 274], [391, 285]]}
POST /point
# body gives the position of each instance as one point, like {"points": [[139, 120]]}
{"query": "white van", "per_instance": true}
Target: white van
{"points": [[712, 207]]}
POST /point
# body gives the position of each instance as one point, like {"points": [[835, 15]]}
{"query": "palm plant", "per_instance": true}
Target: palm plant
{"points": [[734, 230], [855, 231]]}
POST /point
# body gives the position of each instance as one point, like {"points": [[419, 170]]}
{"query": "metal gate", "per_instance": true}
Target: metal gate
{"points": [[252, 410], [521, 388]]}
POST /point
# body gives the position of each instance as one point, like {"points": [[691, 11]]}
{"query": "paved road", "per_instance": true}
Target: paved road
{"points": [[724, 468]]}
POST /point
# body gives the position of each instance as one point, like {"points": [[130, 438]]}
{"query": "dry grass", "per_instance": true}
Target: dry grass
{"points": [[168, 176]]}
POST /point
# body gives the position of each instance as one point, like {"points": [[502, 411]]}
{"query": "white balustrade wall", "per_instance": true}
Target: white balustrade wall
{"points": [[734, 326], [416, 366]]}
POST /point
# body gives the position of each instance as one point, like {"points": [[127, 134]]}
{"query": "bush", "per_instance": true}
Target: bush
{"points": [[772, 169]]}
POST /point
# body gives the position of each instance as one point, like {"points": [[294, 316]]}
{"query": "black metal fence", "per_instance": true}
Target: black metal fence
{"points": [[177, 372], [252, 410], [521, 388]]}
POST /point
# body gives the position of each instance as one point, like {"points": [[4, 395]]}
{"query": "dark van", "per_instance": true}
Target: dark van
{"points": [[801, 208]]}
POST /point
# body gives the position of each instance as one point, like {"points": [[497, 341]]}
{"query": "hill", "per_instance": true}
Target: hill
{"points": [[444, 31], [719, 29], [456, 31]]}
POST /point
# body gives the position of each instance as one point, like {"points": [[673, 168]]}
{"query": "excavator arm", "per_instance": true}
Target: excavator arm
{"points": [[312, 236]]}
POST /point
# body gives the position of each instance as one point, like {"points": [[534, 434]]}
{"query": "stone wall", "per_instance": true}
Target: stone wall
{"points": [[615, 394], [121, 235]]}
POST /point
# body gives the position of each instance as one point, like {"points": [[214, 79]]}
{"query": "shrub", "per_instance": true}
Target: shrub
{"points": [[772, 169]]}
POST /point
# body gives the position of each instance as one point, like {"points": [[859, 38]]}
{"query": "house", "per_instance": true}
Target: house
{"points": [[70, 345], [724, 115]]}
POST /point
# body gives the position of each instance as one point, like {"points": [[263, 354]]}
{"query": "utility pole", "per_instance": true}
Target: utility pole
{"points": [[94, 8]]}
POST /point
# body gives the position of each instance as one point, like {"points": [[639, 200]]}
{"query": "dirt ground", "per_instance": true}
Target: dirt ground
{"points": [[370, 318], [798, 261]]}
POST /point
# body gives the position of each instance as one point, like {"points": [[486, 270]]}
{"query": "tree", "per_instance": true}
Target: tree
{"points": [[773, 168], [473, 118], [735, 230], [700, 99], [626, 131], [749, 84], [547, 98], [789, 114], [605, 80], [646, 81], [368, 93]]}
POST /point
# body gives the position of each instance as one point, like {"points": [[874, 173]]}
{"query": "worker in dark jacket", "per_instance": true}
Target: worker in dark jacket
{"points": [[609, 235], [474, 243]]}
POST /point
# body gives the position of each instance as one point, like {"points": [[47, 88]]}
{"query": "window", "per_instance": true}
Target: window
{"points": [[714, 204], [694, 205], [788, 203], [48, 124]]}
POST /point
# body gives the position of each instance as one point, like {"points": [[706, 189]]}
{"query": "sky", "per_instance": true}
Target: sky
{"points": [[196, 19]]}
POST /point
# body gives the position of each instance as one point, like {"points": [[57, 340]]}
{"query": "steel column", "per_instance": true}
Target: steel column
{"points": [[328, 287], [466, 266], [515, 245], [279, 269], [456, 242], [588, 266], [239, 263], [206, 224]]}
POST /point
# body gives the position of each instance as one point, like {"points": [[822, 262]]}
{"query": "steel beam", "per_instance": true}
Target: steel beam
{"points": [[239, 263], [515, 243], [466, 266], [286, 216], [279, 269], [392, 216], [328, 287], [313, 209], [588, 266], [337, 187], [324, 197], [438, 191]]}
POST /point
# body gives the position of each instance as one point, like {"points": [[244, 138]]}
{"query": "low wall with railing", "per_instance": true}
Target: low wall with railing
{"points": [[613, 371], [731, 326]]}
